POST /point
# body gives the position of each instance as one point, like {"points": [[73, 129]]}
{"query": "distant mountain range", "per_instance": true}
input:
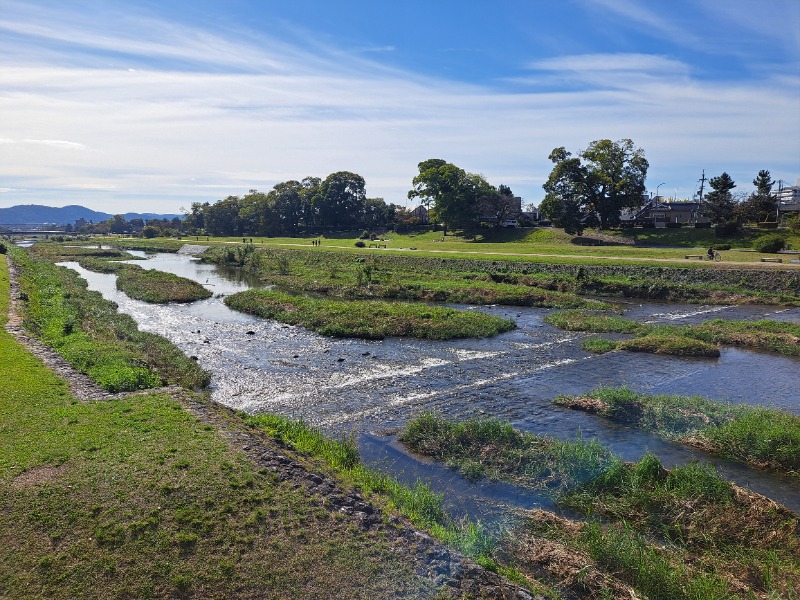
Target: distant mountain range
{"points": [[35, 214]]}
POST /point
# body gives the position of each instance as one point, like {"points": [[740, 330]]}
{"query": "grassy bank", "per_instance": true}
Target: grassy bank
{"points": [[687, 340], [149, 285], [89, 332], [342, 275], [761, 437], [545, 243], [421, 505], [680, 533], [369, 319], [135, 498], [503, 280]]}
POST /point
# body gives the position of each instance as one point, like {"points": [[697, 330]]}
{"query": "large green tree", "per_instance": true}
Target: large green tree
{"points": [[719, 205], [290, 205], [455, 197], [339, 202], [596, 185], [761, 205]]}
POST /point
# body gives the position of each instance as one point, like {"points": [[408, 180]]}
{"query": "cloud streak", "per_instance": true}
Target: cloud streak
{"points": [[247, 112]]}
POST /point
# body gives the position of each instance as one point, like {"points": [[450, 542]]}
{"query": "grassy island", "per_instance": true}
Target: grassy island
{"points": [[685, 340], [149, 285], [761, 437], [370, 319], [679, 533]]}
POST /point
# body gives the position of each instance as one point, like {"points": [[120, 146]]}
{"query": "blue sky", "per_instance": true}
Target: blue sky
{"points": [[150, 106]]}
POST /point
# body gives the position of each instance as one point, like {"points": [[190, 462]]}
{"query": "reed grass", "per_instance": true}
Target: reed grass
{"points": [[370, 319], [762, 437], [687, 340], [654, 519]]}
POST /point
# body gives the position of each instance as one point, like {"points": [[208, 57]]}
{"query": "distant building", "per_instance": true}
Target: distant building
{"points": [[789, 198], [80, 223], [421, 213], [660, 213]]}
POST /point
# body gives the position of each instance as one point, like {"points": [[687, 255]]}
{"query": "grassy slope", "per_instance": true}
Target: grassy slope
{"points": [[136, 498]]}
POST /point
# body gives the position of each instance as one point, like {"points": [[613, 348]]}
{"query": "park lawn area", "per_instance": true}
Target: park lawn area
{"points": [[137, 498], [526, 243]]}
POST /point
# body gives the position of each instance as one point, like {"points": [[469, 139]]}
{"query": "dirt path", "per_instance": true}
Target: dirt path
{"points": [[458, 575]]}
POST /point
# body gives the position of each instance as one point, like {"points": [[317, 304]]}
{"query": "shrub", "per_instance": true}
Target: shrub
{"points": [[702, 225], [770, 243], [794, 224], [722, 246], [727, 229], [674, 225], [3, 248], [364, 235], [150, 232], [360, 244]]}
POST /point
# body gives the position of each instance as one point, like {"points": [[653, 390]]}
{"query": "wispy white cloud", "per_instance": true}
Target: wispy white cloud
{"points": [[643, 16], [251, 111], [57, 144]]}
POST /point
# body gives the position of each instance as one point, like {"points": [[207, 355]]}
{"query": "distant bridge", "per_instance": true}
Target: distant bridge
{"points": [[11, 231]]}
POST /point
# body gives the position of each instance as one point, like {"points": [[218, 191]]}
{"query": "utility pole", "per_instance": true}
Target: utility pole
{"points": [[702, 181]]}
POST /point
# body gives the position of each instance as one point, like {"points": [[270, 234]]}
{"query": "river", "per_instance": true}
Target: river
{"points": [[367, 388]]}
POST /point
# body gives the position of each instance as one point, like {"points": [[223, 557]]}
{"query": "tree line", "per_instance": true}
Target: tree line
{"points": [[589, 189]]}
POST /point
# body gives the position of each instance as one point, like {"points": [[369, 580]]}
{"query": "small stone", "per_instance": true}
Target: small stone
{"points": [[340, 359], [251, 332]]}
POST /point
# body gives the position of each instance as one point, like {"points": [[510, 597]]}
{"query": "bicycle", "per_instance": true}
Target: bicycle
{"points": [[716, 257]]}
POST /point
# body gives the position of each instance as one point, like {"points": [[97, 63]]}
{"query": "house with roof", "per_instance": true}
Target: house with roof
{"points": [[421, 212], [659, 212]]}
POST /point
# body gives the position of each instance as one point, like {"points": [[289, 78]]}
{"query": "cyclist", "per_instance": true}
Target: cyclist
{"points": [[711, 253]]}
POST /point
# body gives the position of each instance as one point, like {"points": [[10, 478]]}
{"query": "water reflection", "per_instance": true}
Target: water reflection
{"points": [[360, 386]]}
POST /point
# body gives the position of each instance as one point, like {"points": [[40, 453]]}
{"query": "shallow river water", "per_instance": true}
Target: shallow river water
{"points": [[368, 387]]}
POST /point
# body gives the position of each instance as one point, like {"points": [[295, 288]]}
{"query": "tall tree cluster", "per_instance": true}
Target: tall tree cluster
{"points": [[457, 198], [722, 206], [335, 203], [594, 187]]}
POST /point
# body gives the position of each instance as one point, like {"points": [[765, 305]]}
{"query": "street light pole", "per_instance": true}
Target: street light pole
{"points": [[658, 186]]}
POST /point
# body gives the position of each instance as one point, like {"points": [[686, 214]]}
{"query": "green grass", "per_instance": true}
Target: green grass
{"points": [[491, 448], [655, 519], [687, 340], [673, 345], [598, 345], [417, 502], [89, 332], [507, 280], [540, 244], [136, 498], [371, 319], [538, 279], [762, 437], [149, 285]]}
